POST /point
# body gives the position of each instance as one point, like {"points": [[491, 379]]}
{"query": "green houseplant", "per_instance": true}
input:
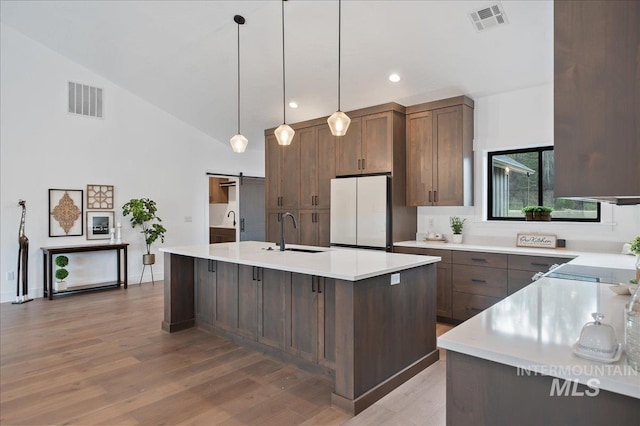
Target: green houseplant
{"points": [[456, 226], [61, 273], [143, 214], [540, 213]]}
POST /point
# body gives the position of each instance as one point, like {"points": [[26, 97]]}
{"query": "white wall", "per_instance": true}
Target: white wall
{"points": [[140, 149], [521, 119]]}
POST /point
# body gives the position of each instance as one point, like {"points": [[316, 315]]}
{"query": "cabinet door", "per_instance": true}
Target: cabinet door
{"points": [[271, 306], [444, 292], [273, 171], [226, 299], [348, 153], [308, 167], [480, 280], [377, 143], [302, 317], [290, 174], [248, 301], [517, 280], [327, 322], [308, 228], [205, 290], [326, 157], [274, 219], [323, 222], [420, 159], [448, 172]]}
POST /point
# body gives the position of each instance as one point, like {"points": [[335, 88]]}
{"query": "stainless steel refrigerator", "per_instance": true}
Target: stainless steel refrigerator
{"points": [[361, 212]]}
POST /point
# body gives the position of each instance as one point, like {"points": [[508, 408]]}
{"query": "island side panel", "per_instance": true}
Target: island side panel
{"points": [[385, 334], [179, 303], [482, 392]]}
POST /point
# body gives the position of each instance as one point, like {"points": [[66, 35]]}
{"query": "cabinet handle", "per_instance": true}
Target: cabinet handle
{"points": [[478, 281], [320, 281], [359, 164], [315, 217], [543, 265], [212, 266], [429, 195], [259, 273], [363, 166], [478, 259], [435, 196], [279, 216], [316, 200], [313, 280], [242, 225], [253, 269]]}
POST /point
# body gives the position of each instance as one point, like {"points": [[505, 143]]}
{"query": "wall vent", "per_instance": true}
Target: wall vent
{"points": [[488, 17], [85, 100]]}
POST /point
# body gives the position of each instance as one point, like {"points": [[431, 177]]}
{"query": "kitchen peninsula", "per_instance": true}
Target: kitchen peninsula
{"points": [[364, 318]]}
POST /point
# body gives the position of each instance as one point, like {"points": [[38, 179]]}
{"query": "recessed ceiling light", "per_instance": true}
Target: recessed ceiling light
{"points": [[293, 104], [394, 77]]}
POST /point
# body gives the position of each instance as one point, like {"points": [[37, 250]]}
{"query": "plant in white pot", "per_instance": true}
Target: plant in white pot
{"points": [[61, 273], [143, 214], [456, 226]]}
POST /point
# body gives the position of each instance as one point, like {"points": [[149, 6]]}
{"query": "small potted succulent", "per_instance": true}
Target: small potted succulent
{"points": [[635, 249], [456, 226], [61, 272], [540, 213]]}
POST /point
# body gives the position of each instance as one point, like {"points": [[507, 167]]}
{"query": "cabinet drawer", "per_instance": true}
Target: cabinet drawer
{"points": [[480, 259], [533, 263], [467, 305], [480, 280], [444, 254], [518, 279]]}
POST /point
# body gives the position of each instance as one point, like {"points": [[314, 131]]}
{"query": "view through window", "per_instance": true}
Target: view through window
{"points": [[524, 177]]}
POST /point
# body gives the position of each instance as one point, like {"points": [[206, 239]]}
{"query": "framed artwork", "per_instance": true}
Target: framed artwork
{"points": [[98, 225], [65, 212], [99, 197]]}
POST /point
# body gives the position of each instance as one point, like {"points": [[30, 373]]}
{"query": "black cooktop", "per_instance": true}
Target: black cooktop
{"points": [[595, 274]]}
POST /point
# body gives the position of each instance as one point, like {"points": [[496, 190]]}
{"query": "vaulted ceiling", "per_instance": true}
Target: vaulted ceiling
{"points": [[181, 55]]}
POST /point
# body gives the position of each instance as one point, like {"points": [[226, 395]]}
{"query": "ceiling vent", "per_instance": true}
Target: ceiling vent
{"points": [[85, 100], [488, 17]]}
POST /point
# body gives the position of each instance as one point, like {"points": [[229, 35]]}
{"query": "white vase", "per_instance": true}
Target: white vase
{"points": [[456, 238], [60, 285]]}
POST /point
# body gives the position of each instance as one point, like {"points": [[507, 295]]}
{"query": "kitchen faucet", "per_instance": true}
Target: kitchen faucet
{"points": [[234, 216], [295, 225]]}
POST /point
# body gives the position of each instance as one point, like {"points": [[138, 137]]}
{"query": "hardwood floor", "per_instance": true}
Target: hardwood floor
{"points": [[101, 358]]}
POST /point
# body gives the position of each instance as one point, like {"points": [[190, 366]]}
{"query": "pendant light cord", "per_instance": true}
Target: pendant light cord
{"points": [[339, 46], [238, 78], [284, 109]]}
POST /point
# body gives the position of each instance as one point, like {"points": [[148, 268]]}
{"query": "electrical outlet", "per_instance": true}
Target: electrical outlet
{"points": [[11, 276], [430, 223], [395, 279], [188, 219]]}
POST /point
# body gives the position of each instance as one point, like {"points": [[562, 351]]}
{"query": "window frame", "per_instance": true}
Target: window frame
{"points": [[539, 178]]}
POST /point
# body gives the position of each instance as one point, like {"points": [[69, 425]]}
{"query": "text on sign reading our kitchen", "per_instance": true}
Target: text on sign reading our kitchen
{"points": [[536, 240]]}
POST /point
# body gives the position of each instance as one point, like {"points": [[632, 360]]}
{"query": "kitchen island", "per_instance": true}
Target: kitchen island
{"points": [[364, 318], [513, 363]]}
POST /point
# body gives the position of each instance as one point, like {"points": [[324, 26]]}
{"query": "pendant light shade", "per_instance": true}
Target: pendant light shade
{"points": [[284, 133], [339, 121], [238, 142]]}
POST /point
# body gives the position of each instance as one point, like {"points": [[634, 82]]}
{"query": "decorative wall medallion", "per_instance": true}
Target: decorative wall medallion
{"points": [[99, 197], [65, 208]]}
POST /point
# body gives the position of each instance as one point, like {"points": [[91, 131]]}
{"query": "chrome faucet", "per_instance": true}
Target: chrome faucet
{"points": [[234, 216], [295, 225]]}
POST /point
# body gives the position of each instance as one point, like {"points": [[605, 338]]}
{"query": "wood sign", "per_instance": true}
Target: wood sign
{"points": [[536, 240]]}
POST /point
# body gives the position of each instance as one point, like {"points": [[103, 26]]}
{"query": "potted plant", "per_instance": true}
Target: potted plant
{"points": [[61, 273], [541, 213], [635, 249], [456, 226], [143, 214]]}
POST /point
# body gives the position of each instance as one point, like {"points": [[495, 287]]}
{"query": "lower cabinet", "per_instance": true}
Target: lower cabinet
{"points": [[291, 312], [470, 282], [314, 227]]}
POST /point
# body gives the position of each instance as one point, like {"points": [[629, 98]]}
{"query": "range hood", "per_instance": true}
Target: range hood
{"points": [[617, 200]]}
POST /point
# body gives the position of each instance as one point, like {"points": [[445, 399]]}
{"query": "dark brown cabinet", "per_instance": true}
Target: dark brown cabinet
{"points": [[272, 286], [314, 227], [523, 268], [221, 235], [274, 219], [597, 99], [225, 313], [282, 173], [247, 324], [317, 166], [440, 153], [205, 283]]}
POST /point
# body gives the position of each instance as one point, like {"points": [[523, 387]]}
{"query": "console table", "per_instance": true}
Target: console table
{"points": [[49, 252]]}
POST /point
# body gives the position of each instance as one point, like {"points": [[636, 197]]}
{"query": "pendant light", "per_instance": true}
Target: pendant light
{"points": [[238, 142], [284, 133], [339, 121]]}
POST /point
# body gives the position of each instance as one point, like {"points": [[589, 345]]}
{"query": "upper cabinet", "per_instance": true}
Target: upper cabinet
{"points": [[373, 141], [282, 171], [439, 146], [317, 166], [597, 100]]}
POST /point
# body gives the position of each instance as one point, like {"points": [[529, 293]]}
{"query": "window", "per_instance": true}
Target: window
{"points": [[524, 177]]}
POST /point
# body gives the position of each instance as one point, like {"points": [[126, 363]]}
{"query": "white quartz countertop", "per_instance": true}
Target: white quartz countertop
{"points": [[490, 248], [534, 329], [339, 263]]}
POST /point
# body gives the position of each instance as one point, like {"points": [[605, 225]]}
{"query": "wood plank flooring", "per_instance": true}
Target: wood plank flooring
{"points": [[101, 358]]}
